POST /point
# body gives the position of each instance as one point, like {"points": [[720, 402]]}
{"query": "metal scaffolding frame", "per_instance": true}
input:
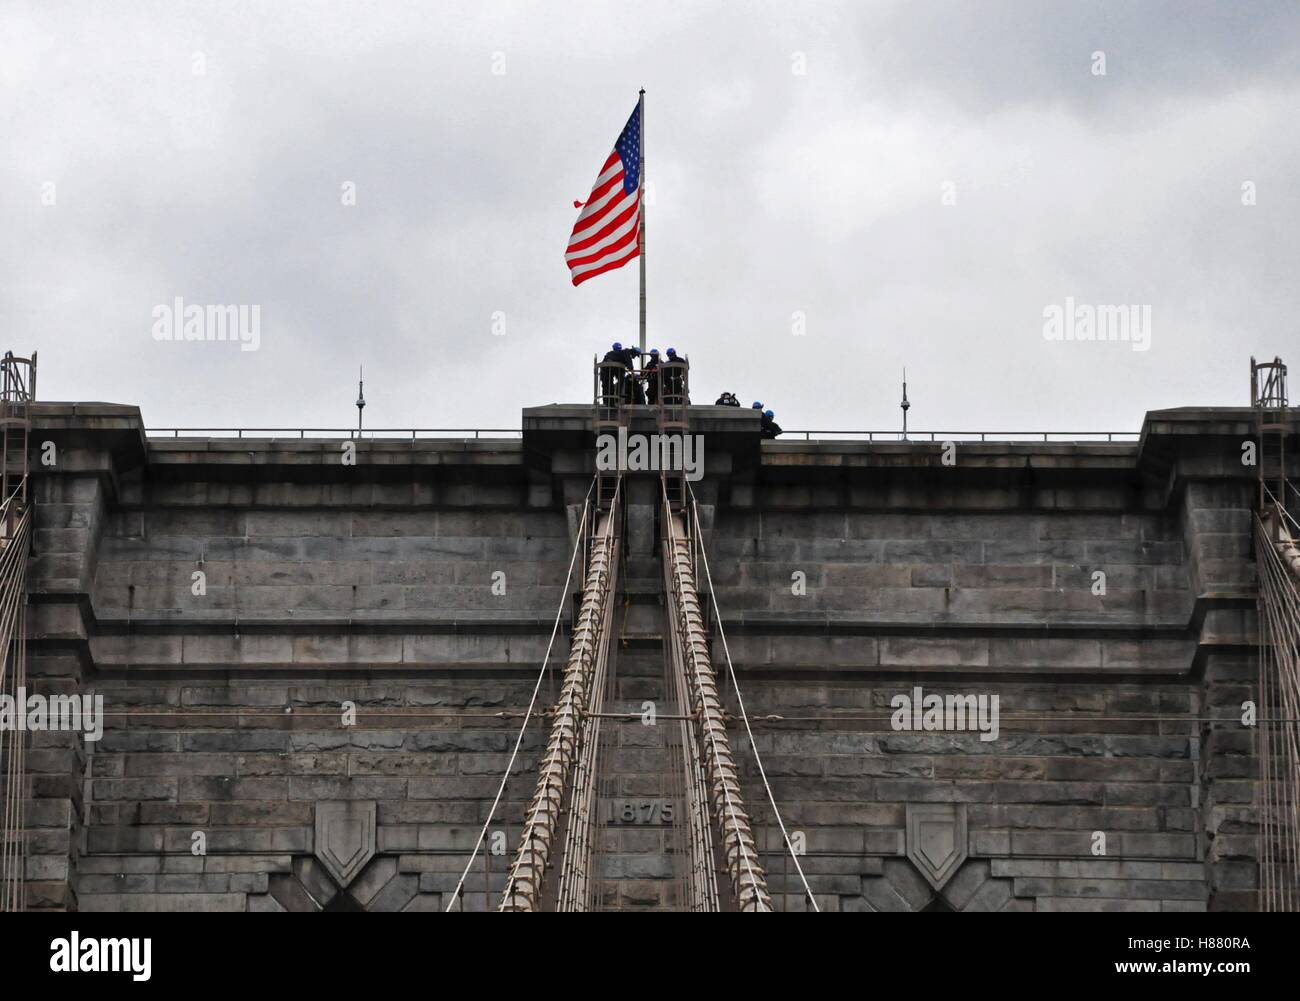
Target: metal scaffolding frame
{"points": [[1277, 559], [17, 391]]}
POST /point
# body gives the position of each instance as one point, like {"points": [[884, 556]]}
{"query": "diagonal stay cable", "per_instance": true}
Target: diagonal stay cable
{"points": [[532, 704]]}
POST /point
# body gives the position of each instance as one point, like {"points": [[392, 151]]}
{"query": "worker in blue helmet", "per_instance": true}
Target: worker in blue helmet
{"points": [[756, 405], [613, 384], [768, 427], [673, 383]]}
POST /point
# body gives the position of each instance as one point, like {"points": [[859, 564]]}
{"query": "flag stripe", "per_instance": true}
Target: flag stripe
{"points": [[617, 242], [579, 279], [624, 237], [614, 255], [612, 166], [599, 203], [615, 246], [611, 223], [618, 215]]}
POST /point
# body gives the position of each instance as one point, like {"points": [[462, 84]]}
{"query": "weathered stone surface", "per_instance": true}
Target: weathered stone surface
{"points": [[373, 587]]}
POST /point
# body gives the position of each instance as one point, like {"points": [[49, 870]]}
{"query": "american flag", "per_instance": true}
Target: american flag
{"points": [[605, 236]]}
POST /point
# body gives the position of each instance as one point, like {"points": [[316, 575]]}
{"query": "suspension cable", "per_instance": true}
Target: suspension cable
{"points": [[740, 703], [1279, 688], [570, 724], [757, 886]]}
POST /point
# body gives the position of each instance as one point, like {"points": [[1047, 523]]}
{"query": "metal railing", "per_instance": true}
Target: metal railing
{"points": [[413, 434], [305, 433], [990, 436]]}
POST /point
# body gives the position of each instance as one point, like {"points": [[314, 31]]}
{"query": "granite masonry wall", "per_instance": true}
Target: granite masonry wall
{"points": [[231, 599]]}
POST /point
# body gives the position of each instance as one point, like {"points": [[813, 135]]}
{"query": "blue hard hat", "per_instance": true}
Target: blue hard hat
{"points": [[672, 351], [768, 413], [655, 352], [756, 406], [618, 346]]}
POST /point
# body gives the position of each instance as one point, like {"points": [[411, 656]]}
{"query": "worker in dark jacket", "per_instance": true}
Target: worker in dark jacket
{"points": [[612, 382], [650, 372], [727, 400], [672, 378], [768, 427]]}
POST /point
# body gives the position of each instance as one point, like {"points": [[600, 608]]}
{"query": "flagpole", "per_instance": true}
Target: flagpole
{"points": [[641, 239]]}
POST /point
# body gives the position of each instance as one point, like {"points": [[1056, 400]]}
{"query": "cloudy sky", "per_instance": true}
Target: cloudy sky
{"points": [[912, 183]]}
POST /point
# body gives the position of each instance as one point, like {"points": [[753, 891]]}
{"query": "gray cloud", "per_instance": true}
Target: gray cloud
{"points": [[776, 194]]}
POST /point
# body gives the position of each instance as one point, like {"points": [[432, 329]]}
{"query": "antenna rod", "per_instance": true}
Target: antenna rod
{"points": [[904, 405], [361, 395]]}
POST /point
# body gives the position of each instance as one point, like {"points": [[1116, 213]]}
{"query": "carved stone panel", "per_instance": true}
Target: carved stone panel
{"points": [[936, 840], [345, 838]]}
